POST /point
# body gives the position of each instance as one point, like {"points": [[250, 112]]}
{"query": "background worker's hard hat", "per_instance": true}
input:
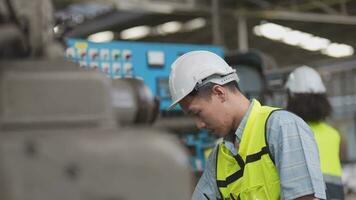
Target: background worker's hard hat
{"points": [[197, 67], [305, 79]]}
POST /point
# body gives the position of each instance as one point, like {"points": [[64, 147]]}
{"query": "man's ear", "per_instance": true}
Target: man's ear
{"points": [[220, 92]]}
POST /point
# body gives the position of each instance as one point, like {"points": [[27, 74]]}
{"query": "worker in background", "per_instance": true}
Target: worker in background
{"points": [[307, 98], [266, 153]]}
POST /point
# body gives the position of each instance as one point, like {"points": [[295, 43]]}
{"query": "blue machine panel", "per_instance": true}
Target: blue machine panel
{"points": [[148, 61]]}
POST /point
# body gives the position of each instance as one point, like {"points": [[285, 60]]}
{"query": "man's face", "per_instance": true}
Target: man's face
{"points": [[208, 113]]}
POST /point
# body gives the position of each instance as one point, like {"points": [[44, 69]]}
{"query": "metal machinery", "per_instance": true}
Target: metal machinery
{"points": [[149, 62], [61, 127], [251, 67]]}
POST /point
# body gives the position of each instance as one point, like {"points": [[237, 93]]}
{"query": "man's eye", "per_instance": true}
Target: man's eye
{"points": [[196, 113]]}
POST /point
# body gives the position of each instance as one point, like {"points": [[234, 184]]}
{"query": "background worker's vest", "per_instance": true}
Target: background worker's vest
{"points": [[328, 141], [251, 174]]}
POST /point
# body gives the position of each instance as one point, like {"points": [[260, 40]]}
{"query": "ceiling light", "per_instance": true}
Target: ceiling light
{"points": [[105, 36], [170, 27], [338, 50], [194, 24], [304, 40], [292, 38], [273, 31], [315, 43], [135, 32], [257, 31]]}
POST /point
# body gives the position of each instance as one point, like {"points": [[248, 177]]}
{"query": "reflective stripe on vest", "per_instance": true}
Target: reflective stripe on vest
{"points": [[251, 174], [328, 141]]}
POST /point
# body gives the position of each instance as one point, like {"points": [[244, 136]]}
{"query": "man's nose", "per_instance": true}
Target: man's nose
{"points": [[200, 124]]}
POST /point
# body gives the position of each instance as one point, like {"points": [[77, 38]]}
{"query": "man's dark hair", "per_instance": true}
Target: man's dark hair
{"points": [[206, 89], [310, 107]]}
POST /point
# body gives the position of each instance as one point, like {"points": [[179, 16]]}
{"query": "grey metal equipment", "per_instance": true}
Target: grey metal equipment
{"points": [[135, 101], [93, 164], [52, 93], [33, 20], [62, 135], [59, 139]]}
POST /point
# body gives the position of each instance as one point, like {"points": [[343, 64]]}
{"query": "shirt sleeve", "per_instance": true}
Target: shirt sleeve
{"points": [[296, 156], [206, 187]]}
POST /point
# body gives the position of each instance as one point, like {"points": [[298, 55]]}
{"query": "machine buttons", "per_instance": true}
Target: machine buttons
{"points": [[83, 64], [82, 53], [127, 54], [93, 54], [104, 54], [116, 54], [70, 53], [128, 69], [116, 70], [105, 67], [94, 65]]}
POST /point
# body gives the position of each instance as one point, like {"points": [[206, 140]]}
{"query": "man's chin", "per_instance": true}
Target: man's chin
{"points": [[217, 133], [220, 134]]}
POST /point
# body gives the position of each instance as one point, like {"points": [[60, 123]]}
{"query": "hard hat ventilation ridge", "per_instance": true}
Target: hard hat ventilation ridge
{"points": [[218, 79]]}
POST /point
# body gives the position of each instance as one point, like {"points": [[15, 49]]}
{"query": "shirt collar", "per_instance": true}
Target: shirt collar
{"points": [[238, 133], [243, 122]]}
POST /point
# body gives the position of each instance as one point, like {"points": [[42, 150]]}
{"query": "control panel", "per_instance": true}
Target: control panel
{"points": [[150, 62]]}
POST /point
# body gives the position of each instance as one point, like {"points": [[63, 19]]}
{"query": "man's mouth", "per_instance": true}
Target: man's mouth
{"points": [[210, 130]]}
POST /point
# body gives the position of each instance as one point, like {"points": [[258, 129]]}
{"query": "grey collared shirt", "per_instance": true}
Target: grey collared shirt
{"points": [[292, 146]]}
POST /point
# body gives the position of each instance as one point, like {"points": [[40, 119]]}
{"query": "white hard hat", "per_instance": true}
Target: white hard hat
{"points": [[194, 69], [305, 79]]}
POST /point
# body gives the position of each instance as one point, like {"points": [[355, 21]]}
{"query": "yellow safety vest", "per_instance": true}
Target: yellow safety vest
{"points": [[328, 141], [251, 174]]}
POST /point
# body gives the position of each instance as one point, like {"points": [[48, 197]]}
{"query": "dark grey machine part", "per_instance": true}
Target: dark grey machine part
{"points": [[134, 102], [38, 93], [47, 91], [61, 138], [93, 164], [61, 134]]}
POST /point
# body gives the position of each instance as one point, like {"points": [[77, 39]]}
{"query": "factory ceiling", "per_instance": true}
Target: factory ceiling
{"points": [[229, 23]]}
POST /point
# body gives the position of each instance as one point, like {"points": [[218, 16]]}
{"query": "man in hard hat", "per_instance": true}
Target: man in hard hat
{"points": [[266, 154], [307, 98]]}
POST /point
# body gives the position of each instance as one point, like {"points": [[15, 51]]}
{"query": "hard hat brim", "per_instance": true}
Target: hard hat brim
{"points": [[174, 104]]}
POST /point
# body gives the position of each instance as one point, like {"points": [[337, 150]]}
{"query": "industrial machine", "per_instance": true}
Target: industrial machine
{"points": [[60, 139], [251, 67], [62, 133]]}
